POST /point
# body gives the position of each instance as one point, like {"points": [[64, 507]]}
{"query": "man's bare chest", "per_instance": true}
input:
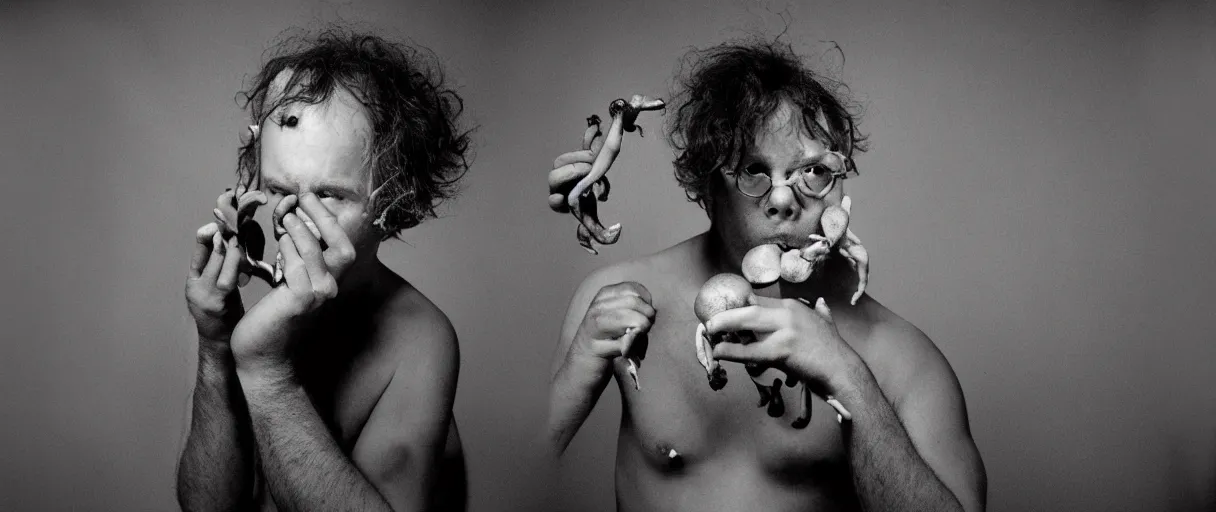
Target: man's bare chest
{"points": [[675, 409], [344, 387]]}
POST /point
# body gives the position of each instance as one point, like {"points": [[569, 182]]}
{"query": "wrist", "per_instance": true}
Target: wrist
{"points": [[850, 381], [214, 359], [587, 362], [264, 373]]}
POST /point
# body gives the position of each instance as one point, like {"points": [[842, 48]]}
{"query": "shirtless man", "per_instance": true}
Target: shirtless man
{"points": [[750, 115], [335, 390]]}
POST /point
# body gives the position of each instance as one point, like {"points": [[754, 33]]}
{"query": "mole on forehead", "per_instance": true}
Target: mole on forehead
{"points": [[339, 112], [341, 109]]}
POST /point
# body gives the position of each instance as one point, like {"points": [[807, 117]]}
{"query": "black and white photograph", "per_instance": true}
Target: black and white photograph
{"points": [[683, 255]]}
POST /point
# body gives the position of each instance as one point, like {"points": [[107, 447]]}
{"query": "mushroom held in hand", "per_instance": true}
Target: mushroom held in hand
{"points": [[728, 291], [722, 292], [582, 200], [234, 216]]}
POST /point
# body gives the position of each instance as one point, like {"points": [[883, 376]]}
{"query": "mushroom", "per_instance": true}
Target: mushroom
{"points": [[234, 216], [582, 200], [728, 291], [765, 263], [720, 293]]}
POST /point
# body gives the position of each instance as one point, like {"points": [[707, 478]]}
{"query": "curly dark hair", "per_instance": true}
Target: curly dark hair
{"points": [[725, 94], [417, 154]]}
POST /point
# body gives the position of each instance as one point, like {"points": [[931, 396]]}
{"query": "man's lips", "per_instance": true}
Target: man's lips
{"points": [[787, 242]]}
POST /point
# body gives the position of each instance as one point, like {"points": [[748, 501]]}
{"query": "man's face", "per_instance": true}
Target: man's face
{"points": [[783, 216], [324, 153]]}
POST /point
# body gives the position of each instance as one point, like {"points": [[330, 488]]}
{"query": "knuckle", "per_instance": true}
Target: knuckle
{"points": [[293, 266], [345, 254], [326, 289]]}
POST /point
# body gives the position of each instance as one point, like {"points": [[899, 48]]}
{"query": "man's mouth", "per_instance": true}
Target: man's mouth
{"points": [[788, 243]]}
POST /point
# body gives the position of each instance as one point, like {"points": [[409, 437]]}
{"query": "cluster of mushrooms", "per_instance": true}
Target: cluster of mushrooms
{"points": [[764, 265], [583, 199]]}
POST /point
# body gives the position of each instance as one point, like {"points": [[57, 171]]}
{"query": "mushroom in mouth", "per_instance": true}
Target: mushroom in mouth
{"points": [[765, 263]]}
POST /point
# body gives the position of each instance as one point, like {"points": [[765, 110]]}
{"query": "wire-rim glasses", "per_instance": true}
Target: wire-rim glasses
{"points": [[815, 180]]}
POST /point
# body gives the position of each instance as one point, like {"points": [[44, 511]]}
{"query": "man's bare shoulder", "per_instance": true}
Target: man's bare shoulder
{"points": [[664, 269], [899, 353], [408, 321]]}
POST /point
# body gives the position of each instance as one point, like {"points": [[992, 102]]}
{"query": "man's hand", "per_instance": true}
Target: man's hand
{"points": [[211, 285], [310, 278], [568, 169], [617, 316], [789, 336]]}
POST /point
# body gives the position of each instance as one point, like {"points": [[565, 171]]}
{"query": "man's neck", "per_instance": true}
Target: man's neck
{"points": [[362, 276]]}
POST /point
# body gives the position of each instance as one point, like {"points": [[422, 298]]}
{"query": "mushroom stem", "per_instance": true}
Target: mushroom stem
{"points": [[594, 186]]}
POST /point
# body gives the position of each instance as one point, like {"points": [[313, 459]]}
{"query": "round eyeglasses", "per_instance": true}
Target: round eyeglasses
{"points": [[815, 180]]}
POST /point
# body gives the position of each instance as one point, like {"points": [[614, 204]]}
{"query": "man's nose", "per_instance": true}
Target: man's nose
{"points": [[782, 203]]}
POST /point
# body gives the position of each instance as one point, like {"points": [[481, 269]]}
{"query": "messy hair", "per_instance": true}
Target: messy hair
{"points": [[417, 152], [726, 93]]}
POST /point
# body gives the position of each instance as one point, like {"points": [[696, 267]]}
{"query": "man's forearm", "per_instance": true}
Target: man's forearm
{"points": [[303, 465], [888, 473], [572, 395], [216, 468]]}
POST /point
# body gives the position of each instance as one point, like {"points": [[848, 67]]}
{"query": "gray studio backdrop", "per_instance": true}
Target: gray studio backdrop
{"points": [[1037, 199]]}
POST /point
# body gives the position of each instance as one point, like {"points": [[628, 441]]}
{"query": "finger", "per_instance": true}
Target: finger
{"points": [[205, 233], [557, 203], [225, 200], [747, 318], [630, 288], [739, 353], [285, 205], [630, 302], [768, 302], [581, 156], [294, 272], [566, 176], [614, 324], [306, 245], [227, 279], [202, 248], [325, 221], [216, 261]]}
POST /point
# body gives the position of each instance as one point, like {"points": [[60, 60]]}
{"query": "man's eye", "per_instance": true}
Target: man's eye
{"points": [[819, 170], [754, 169]]}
